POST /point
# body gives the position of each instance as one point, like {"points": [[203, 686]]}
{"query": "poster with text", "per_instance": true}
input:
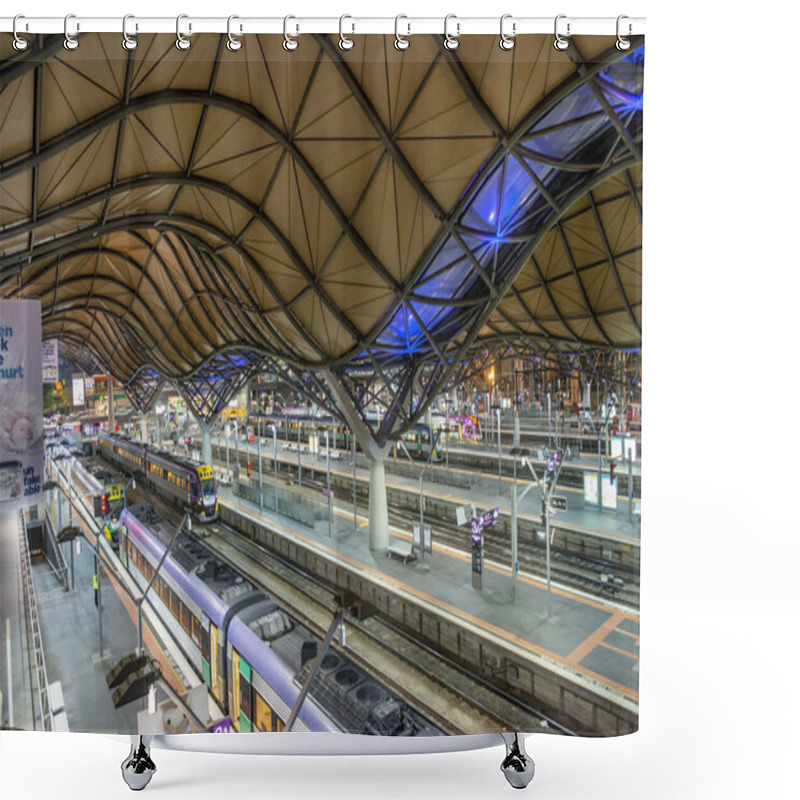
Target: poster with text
{"points": [[78, 398], [21, 445], [50, 361]]}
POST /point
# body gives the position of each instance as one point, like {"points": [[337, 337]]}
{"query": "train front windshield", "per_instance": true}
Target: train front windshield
{"points": [[208, 489]]}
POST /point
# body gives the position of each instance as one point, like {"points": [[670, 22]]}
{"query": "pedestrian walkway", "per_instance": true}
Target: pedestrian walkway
{"points": [[490, 492], [588, 636], [17, 705]]}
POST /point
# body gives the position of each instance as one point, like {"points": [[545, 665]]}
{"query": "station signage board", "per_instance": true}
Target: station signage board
{"points": [[21, 419], [78, 398], [558, 502], [50, 361], [484, 520]]}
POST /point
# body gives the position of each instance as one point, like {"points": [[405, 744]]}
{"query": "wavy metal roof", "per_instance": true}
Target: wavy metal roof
{"points": [[330, 209]]}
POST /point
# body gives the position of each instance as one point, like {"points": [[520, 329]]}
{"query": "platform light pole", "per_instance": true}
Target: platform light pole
{"points": [[275, 461], [236, 446], [260, 477], [516, 451], [187, 520], [124, 544], [422, 498], [546, 492], [227, 451], [328, 484], [355, 486], [447, 431], [299, 465], [499, 456]]}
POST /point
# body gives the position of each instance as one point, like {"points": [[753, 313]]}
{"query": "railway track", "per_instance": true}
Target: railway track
{"points": [[593, 576], [571, 571], [388, 642]]}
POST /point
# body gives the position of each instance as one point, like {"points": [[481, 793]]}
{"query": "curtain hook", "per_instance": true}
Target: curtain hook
{"points": [[560, 43], [181, 42], [451, 42], [507, 42], [233, 43], [622, 42], [70, 42], [401, 42], [129, 42], [289, 42], [19, 43], [345, 43]]}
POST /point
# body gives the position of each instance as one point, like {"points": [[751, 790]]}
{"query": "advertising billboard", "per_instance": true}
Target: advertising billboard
{"points": [[21, 429], [78, 398], [50, 361]]}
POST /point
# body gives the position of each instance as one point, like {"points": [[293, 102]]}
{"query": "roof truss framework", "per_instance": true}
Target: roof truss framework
{"points": [[144, 387], [381, 219]]}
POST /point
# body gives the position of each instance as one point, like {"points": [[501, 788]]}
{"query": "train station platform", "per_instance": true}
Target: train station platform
{"points": [[593, 639], [490, 491], [16, 710], [70, 625]]}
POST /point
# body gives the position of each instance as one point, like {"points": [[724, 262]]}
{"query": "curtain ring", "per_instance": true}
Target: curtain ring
{"points": [[70, 42], [233, 43], [289, 42], [128, 42], [345, 43], [401, 42], [451, 42], [507, 42], [623, 43], [19, 43], [181, 42], [560, 43]]}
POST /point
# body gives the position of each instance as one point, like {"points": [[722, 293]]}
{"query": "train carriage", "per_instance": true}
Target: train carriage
{"points": [[253, 656], [192, 485]]}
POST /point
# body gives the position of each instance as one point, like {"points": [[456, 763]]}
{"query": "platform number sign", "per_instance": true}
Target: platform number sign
{"points": [[558, 502], [477, 524]]}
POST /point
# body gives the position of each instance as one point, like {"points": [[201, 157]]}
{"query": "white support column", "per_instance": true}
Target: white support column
{"points": [[205, 427], [111, 421], [143, 429], [378, 507]]}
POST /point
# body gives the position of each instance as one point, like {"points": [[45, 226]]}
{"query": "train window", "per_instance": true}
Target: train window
{"points": [[196, 631], [174, 600], [245, 700], [186, 618], [236, 688], [264, 715]]}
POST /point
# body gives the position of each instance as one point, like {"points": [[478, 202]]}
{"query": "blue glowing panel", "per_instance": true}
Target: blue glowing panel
{"points": [[507, 190], [627, 75], [447, 273], [482, 212], [518, 190], [564, 141]]}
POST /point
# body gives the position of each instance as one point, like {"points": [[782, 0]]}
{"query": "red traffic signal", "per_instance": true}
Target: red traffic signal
{"points": [[613, 471], [104, 504], [248, 467]]}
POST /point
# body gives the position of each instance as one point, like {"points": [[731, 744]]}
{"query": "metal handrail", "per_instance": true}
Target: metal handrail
{"points": [[32, 616], [60, 567]]}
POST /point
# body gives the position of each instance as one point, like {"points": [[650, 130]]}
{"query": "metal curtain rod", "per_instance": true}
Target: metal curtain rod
{"points": [[347, 25]]}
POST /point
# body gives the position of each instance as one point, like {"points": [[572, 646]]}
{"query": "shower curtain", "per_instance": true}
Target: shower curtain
{"points": [[428, 252]]}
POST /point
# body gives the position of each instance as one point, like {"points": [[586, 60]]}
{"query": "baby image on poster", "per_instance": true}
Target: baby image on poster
{"points": [[20, 424]]}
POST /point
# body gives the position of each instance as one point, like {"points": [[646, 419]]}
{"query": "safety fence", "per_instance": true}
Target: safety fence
{"points": [[36, 650], [286, 502]]}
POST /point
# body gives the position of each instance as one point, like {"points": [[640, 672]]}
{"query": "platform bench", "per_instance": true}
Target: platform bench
{"points": [[403, 550]]}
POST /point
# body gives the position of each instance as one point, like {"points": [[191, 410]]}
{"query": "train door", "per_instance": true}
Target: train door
{"points": [[235, 706], [210, 654]]}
